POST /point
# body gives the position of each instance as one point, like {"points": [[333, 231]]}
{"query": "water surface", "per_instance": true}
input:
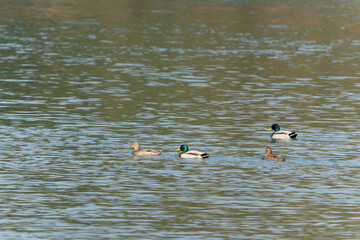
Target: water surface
{"points": [[81, 80]]}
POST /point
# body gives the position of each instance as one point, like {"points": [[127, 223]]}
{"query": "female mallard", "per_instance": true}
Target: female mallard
{"points": [[186, 153], [142, 152], [281, 134], [272, 156]]}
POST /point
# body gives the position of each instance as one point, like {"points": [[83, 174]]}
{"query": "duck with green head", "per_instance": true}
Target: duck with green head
{"points": [[281, 134], [186, 153]]}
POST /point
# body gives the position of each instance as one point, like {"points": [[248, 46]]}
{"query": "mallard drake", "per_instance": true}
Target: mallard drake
{"points": [[281, 134], [186, 153], [272, 156], [142, 152]]}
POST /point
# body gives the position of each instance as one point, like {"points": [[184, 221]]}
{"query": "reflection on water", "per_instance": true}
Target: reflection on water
{"points": [[80, 81]]}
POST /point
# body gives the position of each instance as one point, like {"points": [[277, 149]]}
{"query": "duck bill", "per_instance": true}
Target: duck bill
{"points": [[178, 150], [269, 129]]}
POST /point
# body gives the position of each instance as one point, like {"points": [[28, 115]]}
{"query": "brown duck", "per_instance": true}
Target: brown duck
{"points": [[142, 152], [272, 156]]}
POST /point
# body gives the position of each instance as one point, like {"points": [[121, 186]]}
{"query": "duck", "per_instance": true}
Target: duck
{"points": [[272, 156], [142, 152], [281, 134], [186, 153]]}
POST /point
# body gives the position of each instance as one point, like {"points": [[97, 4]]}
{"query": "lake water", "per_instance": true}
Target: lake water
{"points": [[81, 80]]}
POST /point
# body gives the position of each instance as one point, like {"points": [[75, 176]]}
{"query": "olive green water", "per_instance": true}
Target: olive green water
{"points": [[81, 80]]}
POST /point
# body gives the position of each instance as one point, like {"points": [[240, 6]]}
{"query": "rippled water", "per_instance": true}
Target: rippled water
{"points": [[81, 80]]}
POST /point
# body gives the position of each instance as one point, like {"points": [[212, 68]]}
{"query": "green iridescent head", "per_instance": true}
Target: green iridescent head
{"points": [[274, 127], [183, 148]]}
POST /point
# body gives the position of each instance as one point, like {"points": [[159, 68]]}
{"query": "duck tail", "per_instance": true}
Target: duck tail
{"points": [[292, 135], [204, 155]]}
